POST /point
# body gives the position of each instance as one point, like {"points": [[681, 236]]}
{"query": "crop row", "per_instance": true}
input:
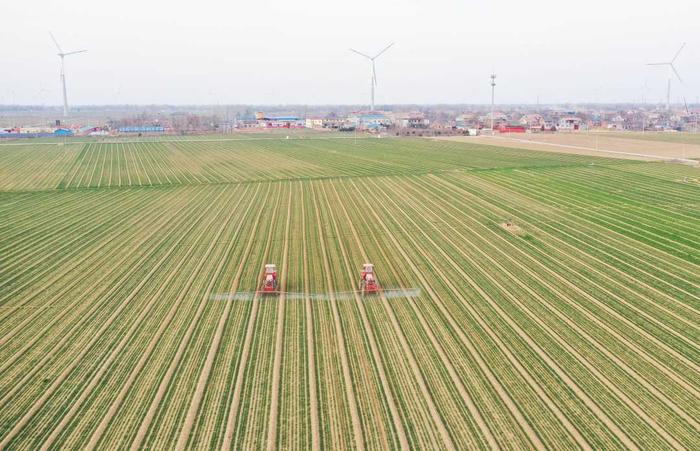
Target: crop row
{"points": [[28, 167], [139, 325], [165, 163]]}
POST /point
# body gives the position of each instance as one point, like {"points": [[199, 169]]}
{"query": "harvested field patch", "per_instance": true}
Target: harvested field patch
{"points": [[594, 144]]}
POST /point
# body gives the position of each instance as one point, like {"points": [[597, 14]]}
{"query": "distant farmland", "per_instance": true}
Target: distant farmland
{"points": [[558, 299]]}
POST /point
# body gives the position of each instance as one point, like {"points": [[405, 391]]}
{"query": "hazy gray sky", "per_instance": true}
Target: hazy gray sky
{"points": [[276, 52]]}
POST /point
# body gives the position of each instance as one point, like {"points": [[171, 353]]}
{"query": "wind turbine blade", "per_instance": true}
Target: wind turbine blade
{"points": [[55, 42], [384, 50], [73, 53], [361, 54], [676, 72], [678, 52], [374, 74], [657, 64]]}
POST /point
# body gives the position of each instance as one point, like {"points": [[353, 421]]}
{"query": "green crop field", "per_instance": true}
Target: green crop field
{"points": [[532, 300]]}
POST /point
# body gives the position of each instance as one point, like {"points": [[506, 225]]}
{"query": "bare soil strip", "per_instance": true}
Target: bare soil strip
{"points": [[593, 144]]}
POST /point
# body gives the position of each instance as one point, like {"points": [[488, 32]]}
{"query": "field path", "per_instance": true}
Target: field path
{"points": [[646, 149]]}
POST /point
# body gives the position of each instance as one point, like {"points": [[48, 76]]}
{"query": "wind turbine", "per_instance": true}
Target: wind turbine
{"points": [[373, 80], [62, 55], [493, 90], [671, 70]]}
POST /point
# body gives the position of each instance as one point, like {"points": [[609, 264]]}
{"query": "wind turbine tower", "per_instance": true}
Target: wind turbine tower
{"points": [[373, 80], [493, 91], [671, 70], [62, 55]]}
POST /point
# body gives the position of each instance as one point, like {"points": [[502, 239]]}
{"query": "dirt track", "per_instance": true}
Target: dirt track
{"points": [[588, 144]]}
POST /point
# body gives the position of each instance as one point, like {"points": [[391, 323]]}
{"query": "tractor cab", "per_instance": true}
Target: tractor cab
{"points": [[368, 283], [270, 280]]}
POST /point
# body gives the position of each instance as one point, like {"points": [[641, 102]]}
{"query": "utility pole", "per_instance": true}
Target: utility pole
{"points": [[493, 90]]}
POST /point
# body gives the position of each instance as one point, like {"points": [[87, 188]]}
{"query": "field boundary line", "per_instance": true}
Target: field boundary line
{"points": [[593, 149]]}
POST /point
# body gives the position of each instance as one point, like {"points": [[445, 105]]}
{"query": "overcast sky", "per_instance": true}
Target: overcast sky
{"points": [[281, 52]]}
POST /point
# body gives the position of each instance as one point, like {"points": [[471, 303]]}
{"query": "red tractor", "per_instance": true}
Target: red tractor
{"points": [[368, 283], [270, 280]]}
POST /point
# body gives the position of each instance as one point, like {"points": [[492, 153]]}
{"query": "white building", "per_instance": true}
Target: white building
{"points": [[570, 123]]}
